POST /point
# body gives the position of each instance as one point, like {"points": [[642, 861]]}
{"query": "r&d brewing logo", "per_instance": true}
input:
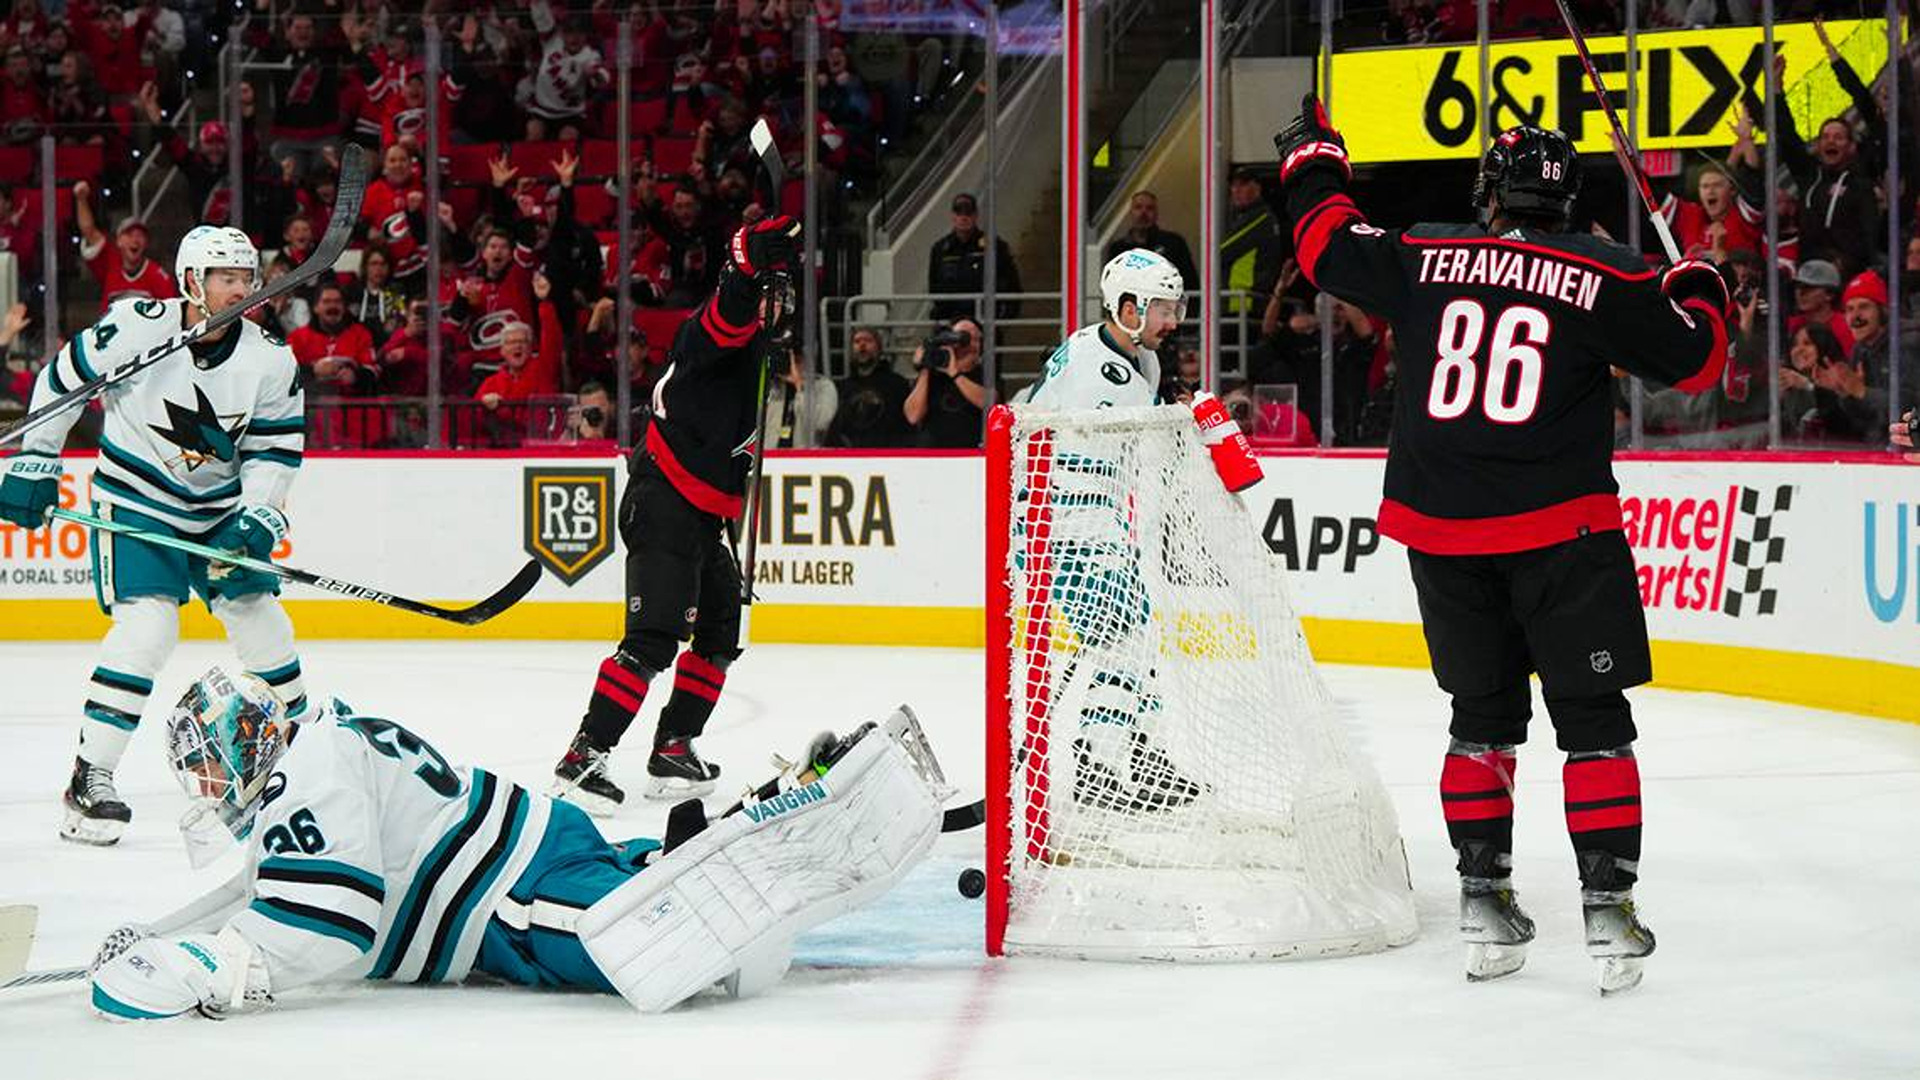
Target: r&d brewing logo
{"points": [[1710, 554], [569, 518]]}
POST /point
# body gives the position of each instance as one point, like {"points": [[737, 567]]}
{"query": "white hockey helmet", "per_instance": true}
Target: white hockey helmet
{"points": [[223, 740], [212, 247], [1145, 276]]}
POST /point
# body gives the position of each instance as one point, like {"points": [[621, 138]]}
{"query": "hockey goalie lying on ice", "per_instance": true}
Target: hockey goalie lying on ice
{"points": [[371, 856]]}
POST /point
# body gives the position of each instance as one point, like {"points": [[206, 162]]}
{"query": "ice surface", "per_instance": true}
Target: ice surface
{"points": [[1780, 873]]}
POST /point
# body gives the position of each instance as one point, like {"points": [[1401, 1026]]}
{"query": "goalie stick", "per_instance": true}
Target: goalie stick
{"points": [[762, 139], [17, 924], [507, 596], [1622, 152], [354, 167]]}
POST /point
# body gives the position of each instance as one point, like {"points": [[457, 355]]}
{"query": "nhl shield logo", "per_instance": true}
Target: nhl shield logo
{"points": [[1601, 661], [569, 519]]}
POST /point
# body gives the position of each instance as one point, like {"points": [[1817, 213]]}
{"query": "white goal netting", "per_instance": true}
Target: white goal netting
{"points": [[1178, 783]]}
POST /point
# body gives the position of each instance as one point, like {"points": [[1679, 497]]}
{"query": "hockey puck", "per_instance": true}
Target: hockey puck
{"points": [[972, 883]]}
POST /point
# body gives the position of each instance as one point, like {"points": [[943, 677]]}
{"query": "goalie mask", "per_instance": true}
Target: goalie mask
{"points": [[212, 247], [223, 740], [1146, 278]]}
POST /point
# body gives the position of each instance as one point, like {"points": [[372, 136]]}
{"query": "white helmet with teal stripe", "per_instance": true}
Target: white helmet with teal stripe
{"points": [[223, 740], [1144, 277], [212, 247]]}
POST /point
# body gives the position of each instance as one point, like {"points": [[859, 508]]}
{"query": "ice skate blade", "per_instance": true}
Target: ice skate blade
{"points": [[1486, 962], [94, 832], [674, 788], [594, 805], [1619, 974]]}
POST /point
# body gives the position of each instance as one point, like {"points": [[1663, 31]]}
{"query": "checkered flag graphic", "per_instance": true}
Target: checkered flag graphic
{"points": [[1755, 549]]}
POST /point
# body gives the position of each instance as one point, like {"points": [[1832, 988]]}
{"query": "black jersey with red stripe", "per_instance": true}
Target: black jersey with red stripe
{"points": [[1503, 416], [706, 405]]}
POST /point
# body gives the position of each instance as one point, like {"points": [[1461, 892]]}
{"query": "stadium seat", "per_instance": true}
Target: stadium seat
{"points": [[672, 155], [646, 117], [660, 325], [599, 159], [468, 164], [536, 159], [593, 205], [16, 164], [27, 199], [71, 163], [467, 202]]}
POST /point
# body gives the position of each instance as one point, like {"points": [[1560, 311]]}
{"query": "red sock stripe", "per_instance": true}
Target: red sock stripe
{"points": [[697, 687], [611, 670], [693, 665], [1594, 779], [606, 688], [1473, 789], [1602, 793]]}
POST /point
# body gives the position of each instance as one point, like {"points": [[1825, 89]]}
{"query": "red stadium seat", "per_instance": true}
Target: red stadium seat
{"points": [[593, 206], [468, 164], [660, 325], [793, 198], [646, 117], [72, 163], [466, 201], [27, 199], [672, 155], [536, 159], [599, 159], [16, 164], [122, 115]]}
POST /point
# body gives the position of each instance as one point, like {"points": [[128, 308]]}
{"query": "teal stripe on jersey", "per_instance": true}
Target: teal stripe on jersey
{"points": [[145, 471], [120, 680], [79, 351], [291, 425], [111, 717], [111, 1005], [328, 866], [407, 917], [120, 489], [446, 942], [283, 673], [357, 934], [289, 458], [54, 380]]}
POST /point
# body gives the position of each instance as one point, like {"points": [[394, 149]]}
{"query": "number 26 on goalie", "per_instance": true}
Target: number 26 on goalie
{"points": [[1514, 362]]}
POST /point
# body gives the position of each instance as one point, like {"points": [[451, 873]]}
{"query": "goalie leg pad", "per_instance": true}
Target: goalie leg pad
{"points": [[731, 898]]}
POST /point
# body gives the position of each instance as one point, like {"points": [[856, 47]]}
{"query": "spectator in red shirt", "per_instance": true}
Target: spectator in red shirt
{"points": [[19, 234], [114, 52], [78, 104], [496, 293], [23, 108], [336, 352], [403, 359], [1816, 297], [1721, 222], [524, 374], [392, 214], [125, 270]]}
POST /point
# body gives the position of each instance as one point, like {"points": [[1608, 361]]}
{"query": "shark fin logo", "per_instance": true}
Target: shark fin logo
{"points": [[199, 432]]}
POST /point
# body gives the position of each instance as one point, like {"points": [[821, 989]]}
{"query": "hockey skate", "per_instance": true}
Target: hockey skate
{"points": [[1616, 938], [581, 778], [1152, 782], [1495, 929], [675, 771], [95, 815]]}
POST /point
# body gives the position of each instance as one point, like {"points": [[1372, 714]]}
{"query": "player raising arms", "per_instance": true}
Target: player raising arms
{"points": [[1499, 481], [370, 855], [686, 481], [203, 447]]}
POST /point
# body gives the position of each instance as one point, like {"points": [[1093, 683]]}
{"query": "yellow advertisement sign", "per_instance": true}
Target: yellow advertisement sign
{"points": [[1422, 104]]}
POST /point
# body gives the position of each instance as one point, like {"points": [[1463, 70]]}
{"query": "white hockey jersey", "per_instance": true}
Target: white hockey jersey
{"points": [[563, 79], [1090, 371], [375, 857], [193, 436]]}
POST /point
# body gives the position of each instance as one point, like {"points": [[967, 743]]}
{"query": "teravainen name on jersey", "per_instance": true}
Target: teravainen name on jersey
{"points": [[185, 438]]}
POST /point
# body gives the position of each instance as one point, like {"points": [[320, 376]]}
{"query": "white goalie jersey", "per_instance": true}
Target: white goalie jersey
{"points": [[1090, 371], [374, 857], [192, 437]]}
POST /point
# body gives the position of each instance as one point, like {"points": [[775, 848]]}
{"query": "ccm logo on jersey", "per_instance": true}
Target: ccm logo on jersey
{"points": [[807, 795]]}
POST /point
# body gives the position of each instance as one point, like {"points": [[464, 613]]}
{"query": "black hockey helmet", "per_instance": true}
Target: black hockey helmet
{"points": [[1535, 172]]}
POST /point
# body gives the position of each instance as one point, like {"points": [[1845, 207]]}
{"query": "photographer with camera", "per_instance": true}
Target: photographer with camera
{"points": [[947, 401]]}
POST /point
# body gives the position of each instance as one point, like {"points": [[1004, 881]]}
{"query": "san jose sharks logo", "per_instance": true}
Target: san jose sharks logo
{"points": [[200, 433]]}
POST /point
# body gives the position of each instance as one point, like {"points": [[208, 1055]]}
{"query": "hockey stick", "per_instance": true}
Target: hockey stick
{"points": [[17, 924], [962, 818], [508, 595], [352, 189], [762, 138], [1629, 161]]}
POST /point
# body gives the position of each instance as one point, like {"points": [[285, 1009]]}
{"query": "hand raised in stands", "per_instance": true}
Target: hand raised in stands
{"points": [[502, 170], [542, 286], [471, 290], [446, 216], [565, 166], [1901, 432], [150, 103], [16, 321], [415, 200]]}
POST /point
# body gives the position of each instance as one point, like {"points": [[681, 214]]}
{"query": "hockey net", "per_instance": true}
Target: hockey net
{"points": [[1168, 776]]}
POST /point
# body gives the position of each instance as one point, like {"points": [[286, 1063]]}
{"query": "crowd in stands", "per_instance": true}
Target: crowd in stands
{"points": [[527, 294]]}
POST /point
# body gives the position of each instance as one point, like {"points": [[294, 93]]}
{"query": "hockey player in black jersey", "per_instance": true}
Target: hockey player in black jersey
{"points": [[686, 480], [1499, 481]]}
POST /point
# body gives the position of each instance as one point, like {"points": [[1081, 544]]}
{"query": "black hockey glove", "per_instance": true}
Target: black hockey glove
{"points": [[1311, 140], [767, 245], [1697, 279]]}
